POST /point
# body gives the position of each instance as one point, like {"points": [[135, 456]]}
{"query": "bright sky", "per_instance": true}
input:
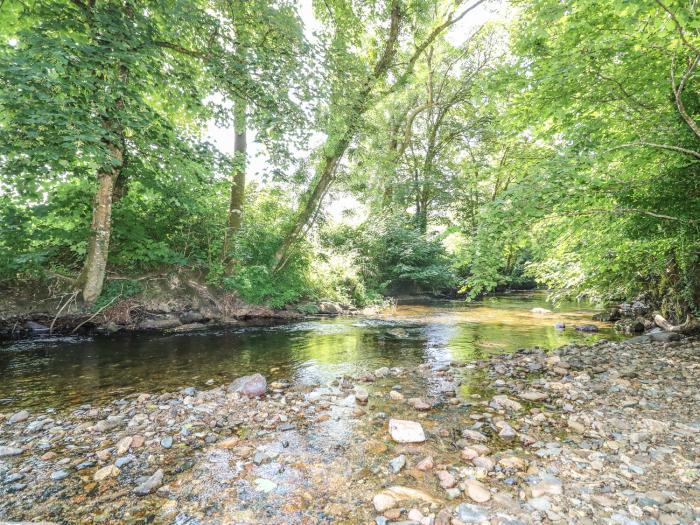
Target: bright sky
{"points": [[222, 137]]}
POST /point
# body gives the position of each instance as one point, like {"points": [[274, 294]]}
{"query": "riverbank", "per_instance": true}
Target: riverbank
{"points": [[607, 433], [171, 304]]}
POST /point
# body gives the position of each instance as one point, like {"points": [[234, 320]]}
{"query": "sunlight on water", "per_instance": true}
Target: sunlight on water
{"points": [[61, 372]]}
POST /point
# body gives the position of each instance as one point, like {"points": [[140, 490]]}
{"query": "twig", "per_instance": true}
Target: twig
{"points": [[68, 301], [96, 313]]}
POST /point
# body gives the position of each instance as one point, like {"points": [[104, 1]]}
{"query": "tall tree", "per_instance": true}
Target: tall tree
{"points": [[360, 79], [84, 90]]}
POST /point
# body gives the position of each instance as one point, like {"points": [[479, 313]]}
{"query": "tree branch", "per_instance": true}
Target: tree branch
{"points": [[678, 90], [658, 146]]}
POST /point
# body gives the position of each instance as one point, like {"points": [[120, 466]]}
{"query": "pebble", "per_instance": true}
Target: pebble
{"points": [[151, 484], [59, 475], [397, 463], [9, 451], [166, 442], [476, 490], [110, 471]]}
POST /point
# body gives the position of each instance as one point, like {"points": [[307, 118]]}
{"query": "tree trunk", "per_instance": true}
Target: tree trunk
{"points": [[235, 207], [92, 276], [313, 200]]}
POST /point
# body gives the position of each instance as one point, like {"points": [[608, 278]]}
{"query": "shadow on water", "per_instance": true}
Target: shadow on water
{"points": [[62, 372]]}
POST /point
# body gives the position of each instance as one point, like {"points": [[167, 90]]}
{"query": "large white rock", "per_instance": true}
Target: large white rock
{"points": [[403, 431]]}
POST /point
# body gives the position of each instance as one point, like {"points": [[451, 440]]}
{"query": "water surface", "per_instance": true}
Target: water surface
{"points": [[62, 372]]}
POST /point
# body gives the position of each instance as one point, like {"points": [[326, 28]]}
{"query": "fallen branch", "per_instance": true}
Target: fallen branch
{"points": [[689, 326], [98, 312], [70, 299]]}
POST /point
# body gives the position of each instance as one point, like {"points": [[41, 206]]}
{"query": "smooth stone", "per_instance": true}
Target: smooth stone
{"points": [[447, 480], [425, 464], [254, 385], [361, 395], [125, 460], [151, 484], [18, 417], [471, 513], [59, 475], [473, 435], [397, 463], [10, 451], [123, 445], [166, 442], [383, 502], [265, 485], [403, 431], [476, 491], [541, 503], [548, 485], [110, 471], [532, 395]]}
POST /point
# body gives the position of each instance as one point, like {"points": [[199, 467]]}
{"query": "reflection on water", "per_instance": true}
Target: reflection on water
{"points": [[60, 372]]}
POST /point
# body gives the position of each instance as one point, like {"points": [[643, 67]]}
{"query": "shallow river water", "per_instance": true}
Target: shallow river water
{"points": [[62, 372]]}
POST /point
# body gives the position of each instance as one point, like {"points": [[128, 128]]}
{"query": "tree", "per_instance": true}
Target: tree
{"points": [[360, 80], [84, 93]]}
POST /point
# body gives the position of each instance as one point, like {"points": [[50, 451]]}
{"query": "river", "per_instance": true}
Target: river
{"points": [[61, 372]]}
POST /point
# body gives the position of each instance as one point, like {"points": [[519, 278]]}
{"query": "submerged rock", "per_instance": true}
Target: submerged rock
{"points": [[151, 484], [254, 385], [9, 451]]}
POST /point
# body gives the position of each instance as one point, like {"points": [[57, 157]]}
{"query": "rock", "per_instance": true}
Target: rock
{"points": [[329, 308], [265, 485], [151, 484], [123, 445], [192, 316], [166, 442], [512, 462], [447, 480], [10, 451], [505, 431], [35, 327], [110, 471], [418, 404], [382, 372], [124, 460], [425, 464], [542, 504], [415, 515], [396, 396], [575, 426], [361, 395], [18, 417], [468, 513], [476, 490], [383, 501], [505, 402], [532, 395], [252, 386], [473, 435], [403, 431], [229, 443], [110, 423], [586, 328], [397, 463], [484, 462], [549, 485], [541, 311], [630, 326], [559, 326], [137, 441], [159, 323], [59, 475]]}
